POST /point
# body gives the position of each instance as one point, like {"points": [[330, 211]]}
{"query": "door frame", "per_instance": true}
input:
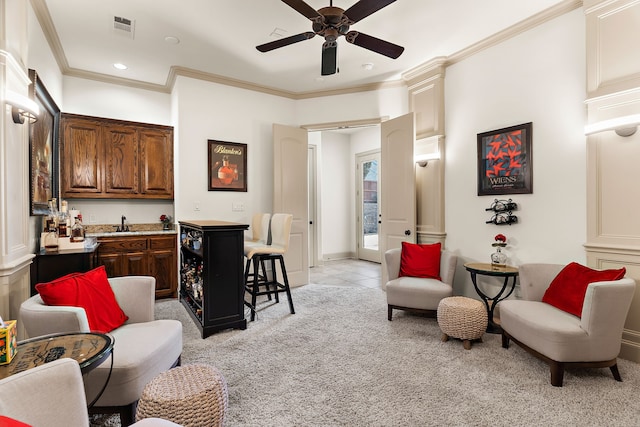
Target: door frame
{"points": [[313, 205], [361, 252]]}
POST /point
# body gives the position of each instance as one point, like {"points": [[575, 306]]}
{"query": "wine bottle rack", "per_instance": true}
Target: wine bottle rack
{"points": [[212, 274]]}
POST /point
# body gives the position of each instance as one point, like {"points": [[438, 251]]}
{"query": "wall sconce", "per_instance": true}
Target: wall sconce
{"points": [[22, 107], [423, 159], [623, 126]]}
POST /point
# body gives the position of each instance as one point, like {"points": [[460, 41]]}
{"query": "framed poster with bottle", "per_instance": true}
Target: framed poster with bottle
{"points": [[227, 166], [43, 144]]}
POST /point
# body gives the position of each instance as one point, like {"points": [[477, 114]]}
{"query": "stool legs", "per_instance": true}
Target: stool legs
{"points": [[253, 281]]}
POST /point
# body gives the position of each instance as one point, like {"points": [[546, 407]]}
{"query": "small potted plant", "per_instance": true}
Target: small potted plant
{"points": [[166, 221]]}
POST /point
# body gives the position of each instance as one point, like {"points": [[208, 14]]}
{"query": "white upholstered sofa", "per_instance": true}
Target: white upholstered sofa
{"points": [[143, 346], [562, 339]]}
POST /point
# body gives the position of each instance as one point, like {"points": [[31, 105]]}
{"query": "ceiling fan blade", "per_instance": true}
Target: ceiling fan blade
{"points": [[329, 58], [364, 8], [303, 8], [285, 41], [374, 44]]}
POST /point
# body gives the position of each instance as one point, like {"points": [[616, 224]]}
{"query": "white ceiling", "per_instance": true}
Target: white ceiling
{"points": [[218, 37]]}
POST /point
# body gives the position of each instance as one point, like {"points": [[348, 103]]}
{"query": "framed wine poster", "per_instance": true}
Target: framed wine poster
{"points": [[227, 166], [504, 161]]}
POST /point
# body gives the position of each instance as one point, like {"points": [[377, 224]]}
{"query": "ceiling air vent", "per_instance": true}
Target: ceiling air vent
{"points": [[124, 26]]}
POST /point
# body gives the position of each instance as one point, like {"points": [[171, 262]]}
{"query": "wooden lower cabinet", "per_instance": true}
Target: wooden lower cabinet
{"points": [[142, 256]]}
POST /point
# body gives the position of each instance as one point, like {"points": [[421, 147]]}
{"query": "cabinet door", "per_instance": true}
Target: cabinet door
{"points": [[135, 263], [112, 263], [156, 163], [162, 263], [121, 159], [82, 156]]}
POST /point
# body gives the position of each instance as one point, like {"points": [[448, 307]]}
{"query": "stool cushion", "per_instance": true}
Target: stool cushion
{"points": [[147, 349], [191, 395], [462, 317]]}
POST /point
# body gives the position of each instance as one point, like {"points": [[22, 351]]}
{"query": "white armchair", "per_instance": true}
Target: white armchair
{"points": [[562, 339], [417, 294], [52, 395], [143, 347]]}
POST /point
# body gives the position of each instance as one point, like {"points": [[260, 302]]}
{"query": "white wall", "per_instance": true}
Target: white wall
{"points": [[337, 241], [390, 102], [213, 111], [93, 98], [536, 77]]}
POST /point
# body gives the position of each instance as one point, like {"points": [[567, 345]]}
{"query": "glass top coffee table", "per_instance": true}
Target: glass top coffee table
{"points": [[89, 349]]}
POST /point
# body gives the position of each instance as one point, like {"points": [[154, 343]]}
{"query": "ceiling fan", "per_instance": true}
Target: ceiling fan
{"points": [[332, 22]]}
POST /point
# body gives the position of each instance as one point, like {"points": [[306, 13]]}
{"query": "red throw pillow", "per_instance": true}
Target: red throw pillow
{"points": [[568, 288], [10, 422], [91, 291], [420, 260]]}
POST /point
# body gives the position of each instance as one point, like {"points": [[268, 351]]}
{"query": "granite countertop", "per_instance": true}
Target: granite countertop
{"points": [[109, 230]]}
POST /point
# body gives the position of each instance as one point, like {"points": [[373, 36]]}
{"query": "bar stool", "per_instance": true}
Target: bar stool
{"points": [[260, 233], [280, 231]]}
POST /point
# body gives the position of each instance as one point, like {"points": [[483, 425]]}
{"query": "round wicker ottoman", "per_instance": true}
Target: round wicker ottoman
{"points": [[463, 318], [191, 395]]}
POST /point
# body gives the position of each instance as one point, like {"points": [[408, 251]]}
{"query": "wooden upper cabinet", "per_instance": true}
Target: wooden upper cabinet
{"points": [[114, 159], [121, 158], [156, 162], [82, 154]]}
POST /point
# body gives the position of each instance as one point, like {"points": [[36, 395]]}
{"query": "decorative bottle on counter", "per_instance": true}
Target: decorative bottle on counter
{"points": [[77, 231], [51, 222], [63, 220]]}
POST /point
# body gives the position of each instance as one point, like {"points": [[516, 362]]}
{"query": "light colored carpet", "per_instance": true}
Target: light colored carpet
{"points": [[339, 362]]}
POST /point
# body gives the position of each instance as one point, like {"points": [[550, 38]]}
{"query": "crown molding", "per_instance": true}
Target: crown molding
{"points": [[515, 30], [44, 18]]}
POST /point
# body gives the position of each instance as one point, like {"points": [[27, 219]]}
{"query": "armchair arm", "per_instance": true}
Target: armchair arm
{"points": [[448, 263], [41, 319], [392, 258], [605, 308], [136, 296], [34, 396]]}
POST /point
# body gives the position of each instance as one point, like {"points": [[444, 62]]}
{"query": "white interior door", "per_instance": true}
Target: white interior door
{"points": [[397, 182], [368, 205], [290, 195]]}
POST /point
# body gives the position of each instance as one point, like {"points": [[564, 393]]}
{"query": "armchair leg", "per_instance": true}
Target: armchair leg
{"points": [[389, 312], [557, 373], [615, 372], [505, 340]]}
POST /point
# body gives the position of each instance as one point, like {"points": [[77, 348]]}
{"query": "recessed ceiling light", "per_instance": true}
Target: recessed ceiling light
{"points": [[172, 40], [120, 66], [368, 66]]}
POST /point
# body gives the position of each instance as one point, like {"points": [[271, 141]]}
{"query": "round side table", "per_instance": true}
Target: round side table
{"points": [[486, 269]]}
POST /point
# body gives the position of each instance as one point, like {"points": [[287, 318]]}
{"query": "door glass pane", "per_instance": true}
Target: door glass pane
{"points": [[370, 204]]}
